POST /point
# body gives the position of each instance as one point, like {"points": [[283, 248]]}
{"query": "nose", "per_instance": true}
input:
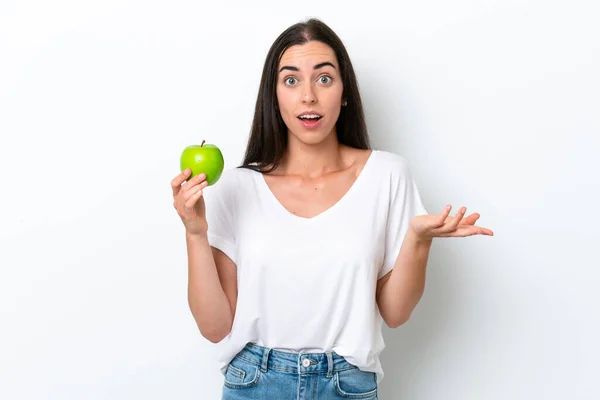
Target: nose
{"points": [[309, 96]]}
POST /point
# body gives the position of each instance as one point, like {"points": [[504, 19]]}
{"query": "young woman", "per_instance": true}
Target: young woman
{"points": [[297, 256]]}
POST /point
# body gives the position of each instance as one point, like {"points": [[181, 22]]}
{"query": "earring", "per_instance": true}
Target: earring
{"points": [[345, 103]]}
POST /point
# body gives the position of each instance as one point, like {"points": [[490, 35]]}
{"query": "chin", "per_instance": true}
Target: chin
{"points": [[310, 138]]}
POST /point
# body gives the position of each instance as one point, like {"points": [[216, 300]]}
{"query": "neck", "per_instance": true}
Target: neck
{"points": [[312, 160]]}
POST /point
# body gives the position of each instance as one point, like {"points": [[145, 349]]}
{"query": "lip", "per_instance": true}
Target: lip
{"points": [[310, 124], [310, 112]]}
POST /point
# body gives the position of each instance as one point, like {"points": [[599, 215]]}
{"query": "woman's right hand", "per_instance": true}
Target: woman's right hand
{"points": [[188, 201]]}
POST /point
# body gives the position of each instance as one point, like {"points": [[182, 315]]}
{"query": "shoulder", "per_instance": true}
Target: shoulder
{"points": [[232, 182], [236, 175], [398, 182], [392, 164]]}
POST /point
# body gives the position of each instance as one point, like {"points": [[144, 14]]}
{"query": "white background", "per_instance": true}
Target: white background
{"points": [[494, 104]]}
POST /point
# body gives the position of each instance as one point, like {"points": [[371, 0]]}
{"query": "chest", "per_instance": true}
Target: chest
{"points": [[324, 247], [307, 198], [350, 234]]}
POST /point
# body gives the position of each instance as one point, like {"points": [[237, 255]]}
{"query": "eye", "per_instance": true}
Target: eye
{"points": [[325, 79], [288, 79]]}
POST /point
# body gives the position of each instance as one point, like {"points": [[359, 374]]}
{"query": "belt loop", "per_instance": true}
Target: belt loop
{"points": [[329, 365], [265, 359]]}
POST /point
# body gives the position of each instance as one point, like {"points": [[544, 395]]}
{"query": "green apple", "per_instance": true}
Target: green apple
{"points": [[201, 158]]}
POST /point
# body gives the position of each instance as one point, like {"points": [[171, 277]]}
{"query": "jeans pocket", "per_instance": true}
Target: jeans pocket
{"points": [[241, 374], [355, 384]]}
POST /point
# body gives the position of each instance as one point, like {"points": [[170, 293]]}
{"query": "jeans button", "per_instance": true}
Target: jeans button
{"points": [[305, 363]]}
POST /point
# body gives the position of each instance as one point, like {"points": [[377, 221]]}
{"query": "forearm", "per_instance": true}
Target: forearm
{"points": [[207, 300], [400, 294]]}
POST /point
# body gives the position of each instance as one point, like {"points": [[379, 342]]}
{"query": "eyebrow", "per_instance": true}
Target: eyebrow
{"points": [[321, 65]]}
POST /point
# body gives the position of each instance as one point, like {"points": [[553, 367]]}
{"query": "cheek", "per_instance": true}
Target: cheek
{"points": [[333, 99], [285, 101], [336, 95]]}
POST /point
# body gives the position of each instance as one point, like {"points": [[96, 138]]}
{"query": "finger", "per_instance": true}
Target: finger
{"points": [[443, 216], [189, 185], [486, 231], [461, 232], [193, 189], [451, 223], [459, 216], [178, 180], [195, 180], [477, 230], [191, 202], [468, 231], [470, 220]]}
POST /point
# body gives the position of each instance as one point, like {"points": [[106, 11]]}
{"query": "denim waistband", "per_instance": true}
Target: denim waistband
{"points": [[295, 363]]}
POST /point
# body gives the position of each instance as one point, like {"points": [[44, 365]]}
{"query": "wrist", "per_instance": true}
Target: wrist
{"points": [[418, 238], [196, 236]]}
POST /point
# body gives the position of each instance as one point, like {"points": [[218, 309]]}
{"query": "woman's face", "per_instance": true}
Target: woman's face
{"points": [[309, 80]]}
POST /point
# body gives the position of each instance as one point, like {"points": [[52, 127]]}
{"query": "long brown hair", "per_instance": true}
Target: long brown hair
{"points": [[268, 137]]}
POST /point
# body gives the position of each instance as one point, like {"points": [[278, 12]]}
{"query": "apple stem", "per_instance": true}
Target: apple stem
{"points": [[202, 144]]}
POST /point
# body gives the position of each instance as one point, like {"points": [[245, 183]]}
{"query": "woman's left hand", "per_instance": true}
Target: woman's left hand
{"points": [[442, 225]]}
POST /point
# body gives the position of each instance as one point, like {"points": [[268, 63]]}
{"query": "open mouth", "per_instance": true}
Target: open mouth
{"points": [[310, 117], [310, 120]]}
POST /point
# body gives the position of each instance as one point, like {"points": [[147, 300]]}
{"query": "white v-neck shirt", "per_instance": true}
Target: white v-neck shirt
{"points": [[308, 284]]}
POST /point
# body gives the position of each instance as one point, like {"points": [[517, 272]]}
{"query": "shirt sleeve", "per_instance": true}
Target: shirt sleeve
{"points": [[220, 212], [405, 204]]}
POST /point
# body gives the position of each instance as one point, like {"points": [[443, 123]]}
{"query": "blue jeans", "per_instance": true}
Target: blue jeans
{"points": [[260, 373]]}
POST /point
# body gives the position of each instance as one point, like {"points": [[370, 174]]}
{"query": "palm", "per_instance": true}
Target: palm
{"points": [[443, 225]]}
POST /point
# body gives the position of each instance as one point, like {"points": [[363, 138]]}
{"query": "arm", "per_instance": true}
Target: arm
{"points": [[400, 290], [212, 288]]}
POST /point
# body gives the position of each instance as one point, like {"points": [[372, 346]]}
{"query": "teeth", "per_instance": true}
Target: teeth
{"points": [[310, 116]]}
